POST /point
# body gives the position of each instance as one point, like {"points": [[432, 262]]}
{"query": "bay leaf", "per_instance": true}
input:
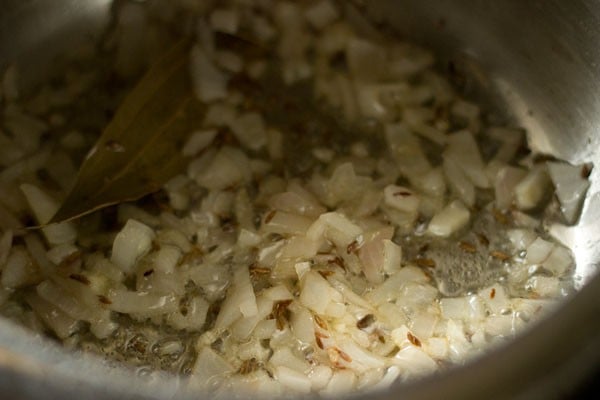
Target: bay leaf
{"points": [[140, 149]]}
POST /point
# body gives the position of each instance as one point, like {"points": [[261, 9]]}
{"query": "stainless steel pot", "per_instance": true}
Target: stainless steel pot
{"points": [[542, 63]]}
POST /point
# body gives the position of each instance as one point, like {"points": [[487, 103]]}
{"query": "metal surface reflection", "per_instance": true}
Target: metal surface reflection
{"points": [[542, 61]]}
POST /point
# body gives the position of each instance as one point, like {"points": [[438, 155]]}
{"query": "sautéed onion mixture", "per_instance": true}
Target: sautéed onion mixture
{"points": [[404, 237]]}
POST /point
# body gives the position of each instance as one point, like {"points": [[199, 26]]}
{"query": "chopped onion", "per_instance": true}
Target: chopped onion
{"points": [[538, 251], [317, 293], [60, 323], [342, 381], [198, 141], [208, 366], [570, 188], [293, 380], [18, 270], [521, 238], [240, 300], [285, 223], [228, 168], [506, 181], [531, 190], [559, 260], [249, 129], [452, 218], [128, 302], [210, 83], [134, 240], [458, 182], [464, 151], [401, 198]]}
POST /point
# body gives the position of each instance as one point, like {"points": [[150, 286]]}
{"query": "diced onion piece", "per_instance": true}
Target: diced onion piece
{"points": [[455, 308], [295, 203], [344, 185], [283, 356], [19, 269], [278, 293], [452, 218], [361, 359], [208, 366], [392, 256], [532, 189], [60, 323], [194, 318], [436, 347], [521, 238], [459, 346], [167, 258], [265, 329], [321, 14], [44, 207], [248, 238], [240, 300], [335, 227], [545, 286], [432, 182], [531, 308], [496, 298], [419, 119], [406, 148], [559, 260], [302, 325], [209, 82], [317, 293], [507, 179], [243, 327], [377, 253], [538, 251], [228, 168], [249, 129], [145, 303], [391, 288], [414, 361], [293, 380], [570, 188], [401, 199], [319, 376], [458, 181], [523, 220], [499, 325], [464, 151], [342, 381], [198, 141], [62, 299], [368, 97], [285, 223], [131, 243], [511, 140], [299, 247], [59, 253]]}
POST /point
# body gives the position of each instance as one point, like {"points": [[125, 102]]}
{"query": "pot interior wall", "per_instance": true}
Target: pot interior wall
{"points": [[538, 59]]}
